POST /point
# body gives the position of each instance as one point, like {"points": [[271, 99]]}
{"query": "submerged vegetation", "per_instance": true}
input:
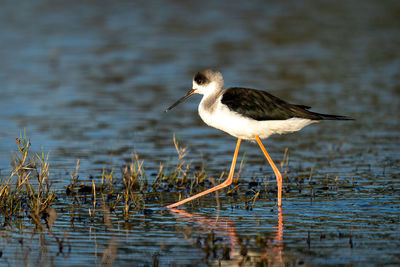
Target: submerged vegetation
{"points": [[26, 191]]}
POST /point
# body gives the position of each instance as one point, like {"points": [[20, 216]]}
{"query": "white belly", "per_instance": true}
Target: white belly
{"points": [[245, 128]]}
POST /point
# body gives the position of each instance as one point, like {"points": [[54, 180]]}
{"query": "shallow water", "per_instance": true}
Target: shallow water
{"points": [[91, 81]]}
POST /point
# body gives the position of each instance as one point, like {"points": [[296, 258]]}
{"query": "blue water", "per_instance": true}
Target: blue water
{"points": [[91, 81]]}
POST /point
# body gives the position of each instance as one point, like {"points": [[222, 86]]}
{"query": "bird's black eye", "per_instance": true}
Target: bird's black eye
{"points": [[200, 79]]}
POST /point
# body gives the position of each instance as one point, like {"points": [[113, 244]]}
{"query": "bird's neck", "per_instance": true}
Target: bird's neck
{"points": [[210, 101]]}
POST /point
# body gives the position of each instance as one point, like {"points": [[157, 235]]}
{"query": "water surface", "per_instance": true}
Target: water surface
{"points": [[91, 81]]}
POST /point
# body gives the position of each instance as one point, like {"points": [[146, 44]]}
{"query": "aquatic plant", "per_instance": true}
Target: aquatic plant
{"points": [[26, 190]]}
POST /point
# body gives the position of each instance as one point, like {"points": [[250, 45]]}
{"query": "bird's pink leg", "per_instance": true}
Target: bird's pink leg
{"points": [[278, 175], [226, 183]]}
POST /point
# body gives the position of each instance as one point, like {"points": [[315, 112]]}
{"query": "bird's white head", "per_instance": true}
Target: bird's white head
{"points": [[205, 82]]}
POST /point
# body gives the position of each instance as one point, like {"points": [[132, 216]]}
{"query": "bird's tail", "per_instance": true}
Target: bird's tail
{"points": [[333, 117]]}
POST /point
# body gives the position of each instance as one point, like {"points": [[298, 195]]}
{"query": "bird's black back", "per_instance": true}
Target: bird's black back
{"points": [[260, 105]]}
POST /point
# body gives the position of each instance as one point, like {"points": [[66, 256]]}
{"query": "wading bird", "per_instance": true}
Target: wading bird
{"points": [[247, 114]]}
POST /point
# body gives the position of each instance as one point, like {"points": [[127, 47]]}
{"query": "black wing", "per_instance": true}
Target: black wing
{"points": [[260, 105]]}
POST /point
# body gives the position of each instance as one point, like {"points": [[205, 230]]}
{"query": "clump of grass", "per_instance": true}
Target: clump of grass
{"points": [[118, 195], [178, 176], [27, 189], [135, 186]]}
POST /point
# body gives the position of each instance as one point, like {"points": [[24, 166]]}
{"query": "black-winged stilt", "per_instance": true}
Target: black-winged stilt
{"points": [[247, 114]]}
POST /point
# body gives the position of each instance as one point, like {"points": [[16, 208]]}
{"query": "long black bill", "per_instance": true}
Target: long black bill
{"points": [[191, 92]]}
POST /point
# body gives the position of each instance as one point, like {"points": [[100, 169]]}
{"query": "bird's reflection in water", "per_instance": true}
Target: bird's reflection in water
{"points": [[218, 239]]}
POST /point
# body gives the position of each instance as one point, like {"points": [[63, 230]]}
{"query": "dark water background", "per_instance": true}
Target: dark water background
{"points": [[90, 80]]}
